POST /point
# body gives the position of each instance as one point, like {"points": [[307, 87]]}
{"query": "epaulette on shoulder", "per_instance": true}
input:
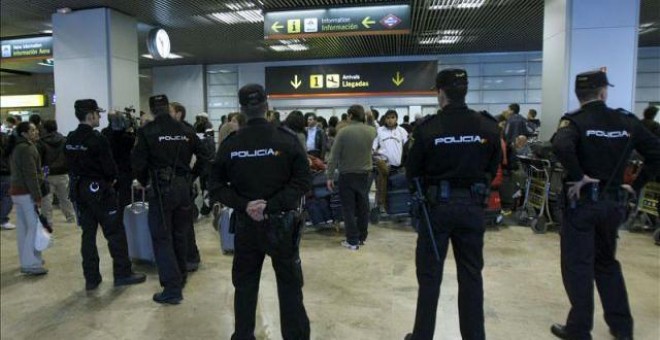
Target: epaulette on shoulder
{"points": [[426, 119], [624, 112], [233, 133], [287, 130], [488, 115], [574, 112]]}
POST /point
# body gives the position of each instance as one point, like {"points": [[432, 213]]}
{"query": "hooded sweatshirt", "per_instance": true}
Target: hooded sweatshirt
{"points": [[51, 150]]}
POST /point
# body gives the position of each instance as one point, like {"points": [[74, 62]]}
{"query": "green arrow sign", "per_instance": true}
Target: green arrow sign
{"points": [[370, 20]]}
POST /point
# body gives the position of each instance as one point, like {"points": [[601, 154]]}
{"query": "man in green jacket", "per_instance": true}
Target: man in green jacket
{"points": [[351, 155]]}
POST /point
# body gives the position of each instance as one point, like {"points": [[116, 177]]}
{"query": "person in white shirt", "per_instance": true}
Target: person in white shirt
{"points": [[388, 150]]}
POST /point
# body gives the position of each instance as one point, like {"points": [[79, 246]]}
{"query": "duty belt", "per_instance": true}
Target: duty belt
{"points": [[593, 193], [444, 192]]}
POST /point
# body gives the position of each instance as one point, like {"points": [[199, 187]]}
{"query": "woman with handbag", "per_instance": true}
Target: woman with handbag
{"points": [[25, 191]]}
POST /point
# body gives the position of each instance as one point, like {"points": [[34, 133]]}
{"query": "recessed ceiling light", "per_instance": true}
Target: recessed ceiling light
{"points": [[280, 48], [220, 71], [291, 41], [289, 48], [239, 17], [440, 40], [298, 47], [170, 56], [47, 62], [647, 27], [458, 4], [237, 6]]}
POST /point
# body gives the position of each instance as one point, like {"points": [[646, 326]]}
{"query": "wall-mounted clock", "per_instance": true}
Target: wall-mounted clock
{"points": [[158, 44]]}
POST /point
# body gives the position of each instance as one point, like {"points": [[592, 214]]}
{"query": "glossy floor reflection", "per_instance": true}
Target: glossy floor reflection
{"points": [[368, 294]]}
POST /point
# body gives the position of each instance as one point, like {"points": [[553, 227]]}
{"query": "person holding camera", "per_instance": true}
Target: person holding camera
{"points": [[93, 173], [161, 158], [120, 133]]}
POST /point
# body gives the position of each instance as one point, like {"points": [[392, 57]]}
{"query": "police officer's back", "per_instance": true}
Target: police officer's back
{"points": [[594, 144], [455, 153], [161, 158], [93, 173], [261, 171]]}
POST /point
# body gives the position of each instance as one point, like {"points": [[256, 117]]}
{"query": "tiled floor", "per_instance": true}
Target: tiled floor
{"points": [[368, 294]]}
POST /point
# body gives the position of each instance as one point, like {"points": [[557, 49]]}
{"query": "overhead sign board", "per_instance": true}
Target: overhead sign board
{"points": [[29, 100], [351, 79], [27, 47], [372, 20]]}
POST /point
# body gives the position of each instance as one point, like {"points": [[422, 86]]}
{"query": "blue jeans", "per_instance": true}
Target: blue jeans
{"points": [[7, 204]]}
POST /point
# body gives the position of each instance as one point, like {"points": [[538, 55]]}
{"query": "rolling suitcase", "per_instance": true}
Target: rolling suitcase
{"points": [[226, 230], [318, 210], [335, 207], [136, 224], [319, 185], [398, 195]]}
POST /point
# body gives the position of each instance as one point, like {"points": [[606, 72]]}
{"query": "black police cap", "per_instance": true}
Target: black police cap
{"points": [[87, 105], [251, 95], [591, 80], [451, 77], [159, 104]]}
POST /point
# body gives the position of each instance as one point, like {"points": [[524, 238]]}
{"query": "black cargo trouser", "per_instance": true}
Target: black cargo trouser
{"points": [[462, 222], [170, 237], [192, 253], [588, 254], [100, 207], [354, 196], [280, 241]]}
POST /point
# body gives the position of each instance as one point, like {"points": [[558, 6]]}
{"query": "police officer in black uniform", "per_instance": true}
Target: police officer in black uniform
{"points": [[93, 173], [593, 144], [455, 154], [161, 158], [261, 171]]}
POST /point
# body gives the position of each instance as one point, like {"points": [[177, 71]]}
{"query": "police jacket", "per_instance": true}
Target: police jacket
{"points": [[595, 139], [88, 155], [457, 144], [165, 145], [260, 161]]}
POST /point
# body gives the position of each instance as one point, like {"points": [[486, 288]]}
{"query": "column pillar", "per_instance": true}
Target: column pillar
{"points": [[96, 56], [583, 35]]}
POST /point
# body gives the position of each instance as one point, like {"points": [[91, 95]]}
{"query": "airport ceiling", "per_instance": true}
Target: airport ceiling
{"points": [[447, 26]]}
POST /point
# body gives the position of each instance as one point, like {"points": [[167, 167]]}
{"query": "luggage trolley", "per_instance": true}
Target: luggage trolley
{"points": [[536, 210], [646, 214]]}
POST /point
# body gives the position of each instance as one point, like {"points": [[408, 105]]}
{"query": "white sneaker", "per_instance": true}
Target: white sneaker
{"points": [[7, 226], [349, 246]]}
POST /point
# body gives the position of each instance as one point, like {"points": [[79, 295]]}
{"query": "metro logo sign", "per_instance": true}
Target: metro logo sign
{"points": [[390, 21]]}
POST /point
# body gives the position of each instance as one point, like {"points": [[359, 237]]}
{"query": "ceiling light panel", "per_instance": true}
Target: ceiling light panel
{"points": [[458, 4], [440, 40], [239, 17]]}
